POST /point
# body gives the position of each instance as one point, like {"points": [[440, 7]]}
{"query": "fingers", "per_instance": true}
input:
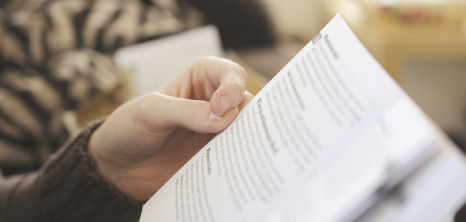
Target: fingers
{"points": [[218, 80], [165, 112], [227, 77]]}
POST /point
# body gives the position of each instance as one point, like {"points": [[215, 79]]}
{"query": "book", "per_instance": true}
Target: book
{"points": [[150, 64], [331, 138]]}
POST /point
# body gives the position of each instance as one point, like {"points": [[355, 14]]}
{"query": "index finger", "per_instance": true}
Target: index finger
{"points": [[229, 79]]}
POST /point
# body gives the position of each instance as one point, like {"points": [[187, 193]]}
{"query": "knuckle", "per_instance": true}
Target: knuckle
{"points": [[242, 76], [194, 108], [227, 65], [241, 71], [145, 112], [142, 108], [207, 59], [235, 88], [237, 74], [237, 69]]}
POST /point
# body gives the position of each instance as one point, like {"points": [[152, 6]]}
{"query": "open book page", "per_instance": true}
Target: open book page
{"points": [[330, 130], [434, 192], [363, 170]]}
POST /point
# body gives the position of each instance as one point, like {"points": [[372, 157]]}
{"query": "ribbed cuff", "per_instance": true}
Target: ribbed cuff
{"points": [[70, 189]]}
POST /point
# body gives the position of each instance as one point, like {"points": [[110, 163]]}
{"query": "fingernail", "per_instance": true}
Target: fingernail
{"points": [[214, 118], [224, 104]]}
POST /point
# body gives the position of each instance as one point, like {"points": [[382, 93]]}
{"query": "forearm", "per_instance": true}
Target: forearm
{"points": [[67, 188]]}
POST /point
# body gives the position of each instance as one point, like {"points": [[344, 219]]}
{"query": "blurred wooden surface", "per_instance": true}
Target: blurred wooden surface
{"points": [[393, 49], [394, 42]]}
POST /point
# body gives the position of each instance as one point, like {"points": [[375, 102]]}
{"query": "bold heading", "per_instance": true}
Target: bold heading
{"points": [[266, 129]]}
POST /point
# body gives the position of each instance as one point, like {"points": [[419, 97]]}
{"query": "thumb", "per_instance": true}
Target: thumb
{"points": [[194, 115]]}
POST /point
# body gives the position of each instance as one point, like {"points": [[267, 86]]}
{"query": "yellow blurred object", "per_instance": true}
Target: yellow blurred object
{"points": [[99, 106], [415, 15], [397, 31]]}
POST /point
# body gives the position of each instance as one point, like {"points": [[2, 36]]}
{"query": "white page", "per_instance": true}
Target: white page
{"points": [[380, 157], [432, 193], [330, 111], [152, 64]]}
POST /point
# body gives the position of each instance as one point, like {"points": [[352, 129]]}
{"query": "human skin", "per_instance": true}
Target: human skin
{"points": [[147, 140]]}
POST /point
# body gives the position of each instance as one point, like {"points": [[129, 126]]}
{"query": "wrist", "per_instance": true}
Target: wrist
{"points": [[111, 172]]}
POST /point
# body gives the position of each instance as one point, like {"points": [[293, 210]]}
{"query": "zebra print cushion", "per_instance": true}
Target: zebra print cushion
{"points": [[54, 55], [30, 37]]}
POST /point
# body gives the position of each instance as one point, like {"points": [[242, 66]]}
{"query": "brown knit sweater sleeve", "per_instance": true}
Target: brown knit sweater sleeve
{"points": [[66, 188]]}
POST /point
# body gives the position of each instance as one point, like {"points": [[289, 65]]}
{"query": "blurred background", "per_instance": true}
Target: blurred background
{"points": [[93, 54], [421, 43]]}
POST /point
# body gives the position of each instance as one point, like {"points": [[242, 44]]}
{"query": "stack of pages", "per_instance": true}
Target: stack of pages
{"points": [[331, 138]]}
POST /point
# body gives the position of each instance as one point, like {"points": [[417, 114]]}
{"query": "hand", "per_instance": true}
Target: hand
{"points": [[147, 140]]}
